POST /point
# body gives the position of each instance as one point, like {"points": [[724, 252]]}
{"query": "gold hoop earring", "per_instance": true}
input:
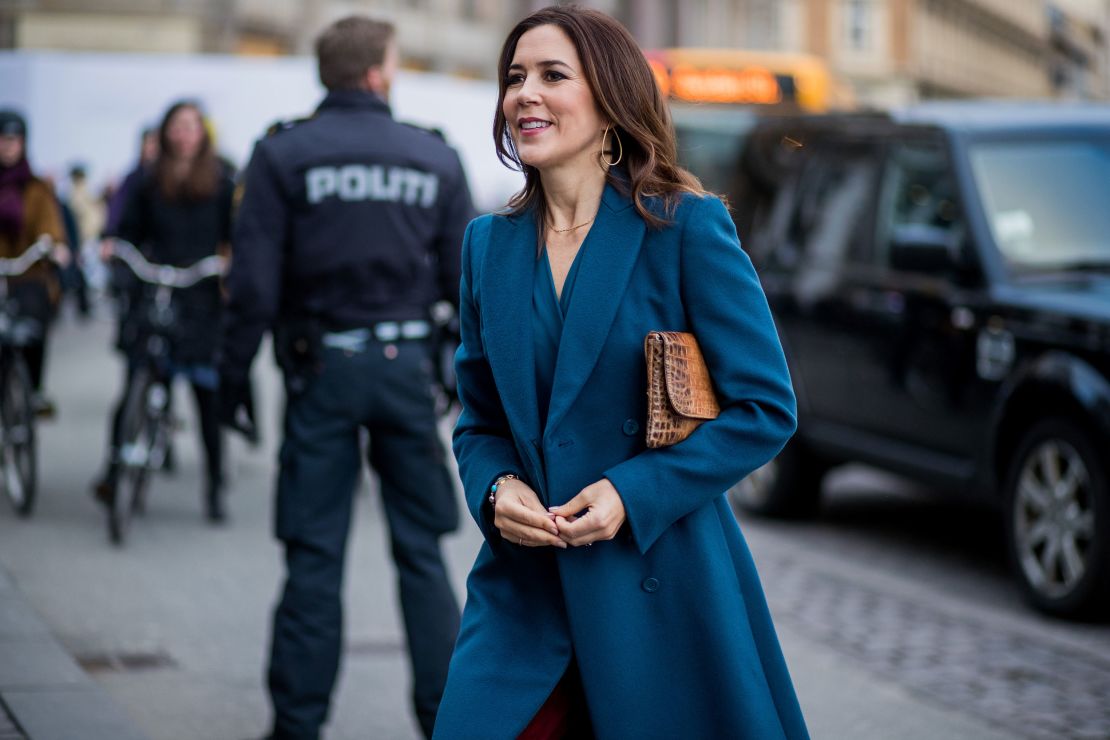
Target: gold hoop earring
{"points": [[601, 154]]}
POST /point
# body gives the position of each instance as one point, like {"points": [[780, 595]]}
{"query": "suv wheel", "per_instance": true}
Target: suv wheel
{"points": [[788, 487], [1058, 519]]}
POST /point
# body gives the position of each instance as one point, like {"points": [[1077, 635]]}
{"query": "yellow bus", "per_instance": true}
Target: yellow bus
{"points": [[798, 82], [716, 95]]}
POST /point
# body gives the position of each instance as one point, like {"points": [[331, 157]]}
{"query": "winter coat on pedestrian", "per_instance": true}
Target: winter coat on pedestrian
{"points": [[667, 622], [28, 210], [88, 210], [180, 232]]}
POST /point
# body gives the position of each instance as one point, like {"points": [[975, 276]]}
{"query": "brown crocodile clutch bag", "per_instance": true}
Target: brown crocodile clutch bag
{"points": [[680, 394]]}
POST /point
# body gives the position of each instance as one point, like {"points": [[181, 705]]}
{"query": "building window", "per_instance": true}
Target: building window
{"points": [[527, 7], [859, 23], [760, 20], [7, 33]]}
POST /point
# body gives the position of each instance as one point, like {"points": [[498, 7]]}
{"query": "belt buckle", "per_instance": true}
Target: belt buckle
{"points": [[414, 329], [387, 331], [352, 340]]}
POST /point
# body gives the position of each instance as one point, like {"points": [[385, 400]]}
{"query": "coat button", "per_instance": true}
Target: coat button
{"points": [[631, 426], [651, 585]]}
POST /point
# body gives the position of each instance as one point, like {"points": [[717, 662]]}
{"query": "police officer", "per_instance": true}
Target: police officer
{"points": [[349, 229]]}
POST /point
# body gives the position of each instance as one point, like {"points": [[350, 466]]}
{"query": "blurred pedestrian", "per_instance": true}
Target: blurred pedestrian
{"points": [[348, 232], [28, 210], [89, 212], [69, 221], [614, 595], [148, 155], [178, 214], [124, 288], [88, 209]]}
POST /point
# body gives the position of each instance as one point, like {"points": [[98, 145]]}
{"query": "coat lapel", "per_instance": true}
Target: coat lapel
{"points": [[507, 295], [614, 245]]}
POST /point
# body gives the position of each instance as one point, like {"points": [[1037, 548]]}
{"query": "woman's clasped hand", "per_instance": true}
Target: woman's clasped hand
{"points": [[595, 514]]}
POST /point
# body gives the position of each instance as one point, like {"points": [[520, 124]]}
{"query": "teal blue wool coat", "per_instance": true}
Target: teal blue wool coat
{"points": [[668, 621]]}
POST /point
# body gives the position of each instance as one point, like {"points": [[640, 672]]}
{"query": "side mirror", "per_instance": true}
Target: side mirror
{"points": [[924, 248]]}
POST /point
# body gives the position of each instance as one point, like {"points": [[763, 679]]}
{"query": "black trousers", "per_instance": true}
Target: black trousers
{"points": [[385, 389], [211, 436], [33, 300]]}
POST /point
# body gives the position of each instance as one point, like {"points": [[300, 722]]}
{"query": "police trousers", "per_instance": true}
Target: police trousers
{"points": [[386, 389]]}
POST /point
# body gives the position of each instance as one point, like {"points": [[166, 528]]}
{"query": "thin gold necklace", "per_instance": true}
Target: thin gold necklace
{"points": [[569, 228]]}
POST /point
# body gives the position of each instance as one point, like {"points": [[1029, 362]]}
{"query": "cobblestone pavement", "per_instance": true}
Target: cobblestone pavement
{"points": [[1035, 689], [907, 624]]}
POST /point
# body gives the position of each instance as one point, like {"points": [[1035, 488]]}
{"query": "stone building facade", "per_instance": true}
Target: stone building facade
{"points": [[886, 51]]}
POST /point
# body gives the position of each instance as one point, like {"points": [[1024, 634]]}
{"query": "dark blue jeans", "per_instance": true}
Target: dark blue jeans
{"points": [[387, 390]]}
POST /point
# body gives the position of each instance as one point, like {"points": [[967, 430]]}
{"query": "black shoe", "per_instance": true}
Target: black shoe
{"points": [[104, 487], [214, 504], [169, 462], [104, 490]]}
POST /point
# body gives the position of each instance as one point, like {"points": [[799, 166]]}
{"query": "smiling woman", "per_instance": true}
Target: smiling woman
{"points": [[547, 104], [584, 91], [614, 596]]}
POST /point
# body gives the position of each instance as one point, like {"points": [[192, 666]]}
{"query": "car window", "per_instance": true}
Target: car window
{"points": [[827, 219], [713, 154], [1045, 200], [918, 199], [710, 142], [768, 165]]}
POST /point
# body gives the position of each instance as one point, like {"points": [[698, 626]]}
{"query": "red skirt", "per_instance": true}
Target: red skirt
{"points": [[564, 715]]}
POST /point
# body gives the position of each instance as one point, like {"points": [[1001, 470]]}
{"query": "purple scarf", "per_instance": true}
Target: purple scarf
{"points": [[12, 182]]}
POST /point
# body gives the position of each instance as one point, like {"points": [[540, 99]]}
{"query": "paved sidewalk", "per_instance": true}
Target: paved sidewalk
{"points": [[843, 701], [44, 694], [196, 599], [47, 696]]}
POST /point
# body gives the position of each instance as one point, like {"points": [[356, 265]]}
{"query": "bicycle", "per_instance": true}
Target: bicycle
{"points": [[18, 451], [146, 424]]}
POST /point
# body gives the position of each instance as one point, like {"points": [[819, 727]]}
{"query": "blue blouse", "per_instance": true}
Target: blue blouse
{"points": [[548, 312]]}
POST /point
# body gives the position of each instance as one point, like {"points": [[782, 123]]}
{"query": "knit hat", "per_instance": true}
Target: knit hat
{"points": [[12, 124]]}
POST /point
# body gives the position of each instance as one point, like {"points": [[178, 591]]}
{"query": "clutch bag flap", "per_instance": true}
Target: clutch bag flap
{"points": [[680, 392]]}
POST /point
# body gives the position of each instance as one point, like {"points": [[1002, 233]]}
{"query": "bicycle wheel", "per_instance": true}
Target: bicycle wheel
{"points": [[141, 431], [17, 435]]}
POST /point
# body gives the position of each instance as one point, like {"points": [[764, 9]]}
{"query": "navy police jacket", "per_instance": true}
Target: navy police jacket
{"points": [[348, 218]]}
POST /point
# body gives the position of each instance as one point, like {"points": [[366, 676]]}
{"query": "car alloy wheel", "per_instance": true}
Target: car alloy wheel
{"points": [[1058, 518], [789, 486], [1053, 518]]}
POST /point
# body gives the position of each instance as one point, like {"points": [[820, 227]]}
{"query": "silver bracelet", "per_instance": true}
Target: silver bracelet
{"points": [[497, 484]]}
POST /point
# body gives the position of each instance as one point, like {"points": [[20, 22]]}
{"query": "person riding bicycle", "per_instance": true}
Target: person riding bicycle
{"points": [[28, 210], [179, 214]]}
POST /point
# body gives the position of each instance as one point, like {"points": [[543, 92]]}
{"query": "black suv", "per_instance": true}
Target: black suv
{"points": [[940, 277]]}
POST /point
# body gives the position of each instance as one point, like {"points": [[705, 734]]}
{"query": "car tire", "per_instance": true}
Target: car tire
{"points": [[1058, 520], [788, 487]]}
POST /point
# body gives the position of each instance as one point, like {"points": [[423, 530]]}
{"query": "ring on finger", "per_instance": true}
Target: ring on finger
{"points": [[521, 543]]}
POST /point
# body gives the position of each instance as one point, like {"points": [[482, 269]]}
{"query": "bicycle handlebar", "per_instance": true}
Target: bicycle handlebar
{"points": [[13, 266], [166, 275]]}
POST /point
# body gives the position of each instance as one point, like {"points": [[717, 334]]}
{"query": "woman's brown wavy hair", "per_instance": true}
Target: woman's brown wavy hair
{"points": [[203, 176], [626, 93]]}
